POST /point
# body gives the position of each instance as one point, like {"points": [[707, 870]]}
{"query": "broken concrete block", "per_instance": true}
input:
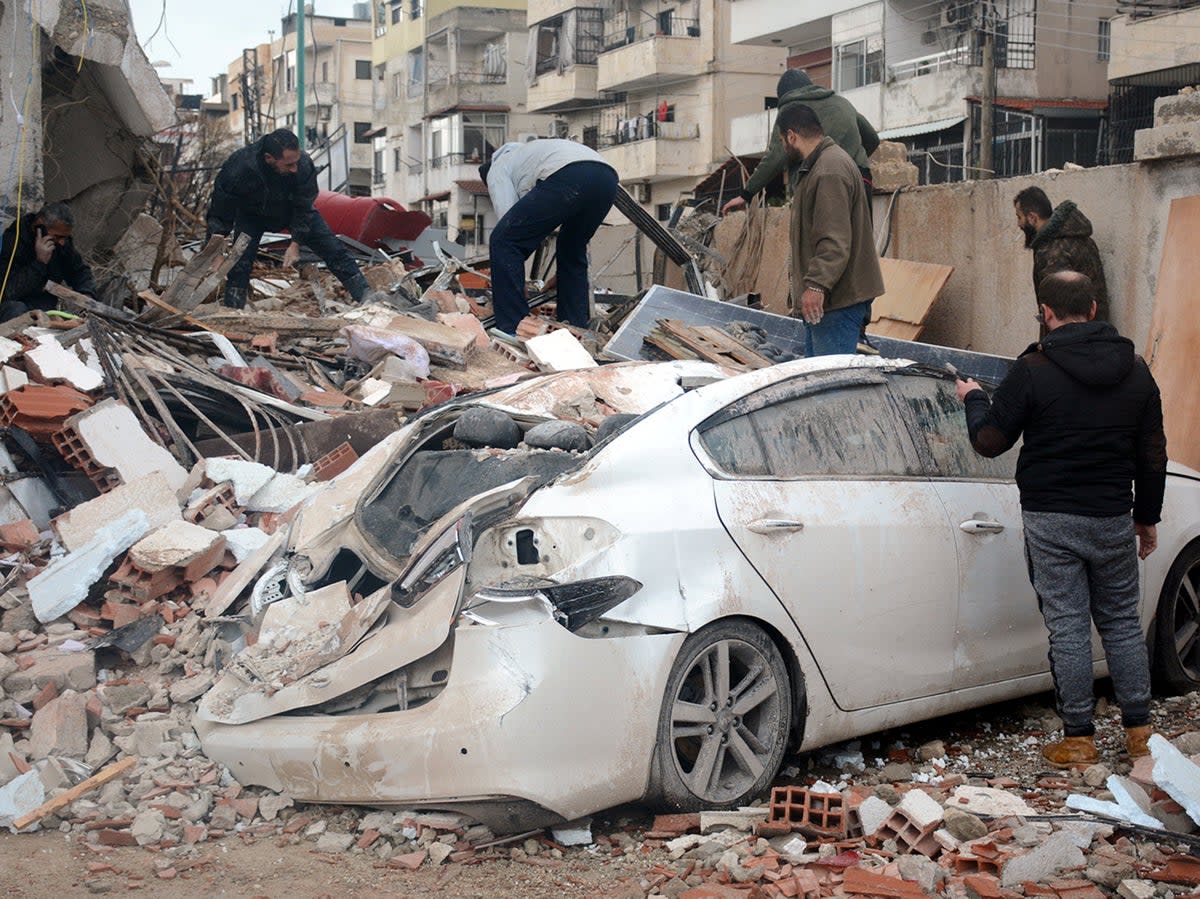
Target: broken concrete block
{"points": [[742, 819], [271, 805], [116, 440], [12, 378], [150, 493], [9, 349], [20, 796], [1137, 889], [190, 688], [244, 541], [174, 545], [921, 809], [66, 670], [964, 826], [333, 843], [558, 351], [467, 323], [100, 750], [60, 728], [65, 582], [988, 801], [8, 769], [1055, 854], [281, 493], [148, 827], [120, 698], [247, 478], [872, 813], [1176, 776], [50, 362]]}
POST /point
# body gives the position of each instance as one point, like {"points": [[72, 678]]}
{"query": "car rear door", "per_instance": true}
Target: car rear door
{"points": [[1000, 630], [820, 486]]}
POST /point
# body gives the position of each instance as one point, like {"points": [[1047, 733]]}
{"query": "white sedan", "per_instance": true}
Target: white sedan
{"points": [[789, 557]]}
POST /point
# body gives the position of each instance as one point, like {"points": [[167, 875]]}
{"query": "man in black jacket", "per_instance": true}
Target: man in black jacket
{"points": [[1092, 419], [270, 185], [36, 249]]}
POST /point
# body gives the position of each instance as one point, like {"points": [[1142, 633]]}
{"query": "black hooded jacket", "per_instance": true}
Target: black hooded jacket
{"points": [[1091, 415], [250, 195], [27, 275]]}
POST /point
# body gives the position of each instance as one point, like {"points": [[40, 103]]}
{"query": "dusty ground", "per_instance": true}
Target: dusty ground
{"points": [[996, 741]]}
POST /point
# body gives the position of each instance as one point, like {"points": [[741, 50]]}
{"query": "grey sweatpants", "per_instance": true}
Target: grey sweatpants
{"points": [[1083, 570]]}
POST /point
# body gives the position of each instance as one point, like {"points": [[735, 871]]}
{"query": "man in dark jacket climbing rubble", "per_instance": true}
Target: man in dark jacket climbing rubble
{"points": [[270, 185], [1061, 241], [1094, 447], [839, 120]]}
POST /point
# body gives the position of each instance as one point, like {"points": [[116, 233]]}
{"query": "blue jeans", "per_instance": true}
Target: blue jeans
{"points": [[838, 331], [319, 239], [575, 199]]}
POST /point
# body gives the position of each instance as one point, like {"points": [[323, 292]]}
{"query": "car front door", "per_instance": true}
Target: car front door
{"points": [[821, 487], [1000, 630]]}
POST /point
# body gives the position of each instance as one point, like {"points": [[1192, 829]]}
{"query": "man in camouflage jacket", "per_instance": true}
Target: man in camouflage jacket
{"points": [[1061, 240]]}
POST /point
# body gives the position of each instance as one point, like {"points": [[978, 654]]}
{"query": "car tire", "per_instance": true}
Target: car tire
{"points": [[1176, 661], [725, 720]]}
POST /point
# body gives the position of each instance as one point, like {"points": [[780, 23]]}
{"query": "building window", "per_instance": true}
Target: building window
{"points": [[415, 7], [483, 133], [362, 70], [858, 63], [662, 212], [325, 72], [416, 73], [339, 23], [360, 132], [233, 102], [1103, 40], [397, 14], [397, 85], [397, 159], [555, 50]]}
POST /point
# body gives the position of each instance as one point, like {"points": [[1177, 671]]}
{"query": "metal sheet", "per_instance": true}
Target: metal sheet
{"points": [[786, 333]]}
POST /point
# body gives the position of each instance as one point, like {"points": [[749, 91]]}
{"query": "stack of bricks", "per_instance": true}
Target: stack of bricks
{"points": [[912, 825], [813, 814]]}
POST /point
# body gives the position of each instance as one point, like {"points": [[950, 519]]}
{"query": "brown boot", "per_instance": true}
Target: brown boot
{"points": [[1072, 752], [1136, 739]]}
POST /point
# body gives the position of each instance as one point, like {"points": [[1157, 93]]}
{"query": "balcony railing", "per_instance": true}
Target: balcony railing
{"points": [[628, 131], [665, 25], [453, 159], [934, 62]]}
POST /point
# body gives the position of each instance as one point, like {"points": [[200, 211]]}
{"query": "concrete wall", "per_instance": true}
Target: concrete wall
{"points": [[20, 160], [988, 304], [1068, 63]]}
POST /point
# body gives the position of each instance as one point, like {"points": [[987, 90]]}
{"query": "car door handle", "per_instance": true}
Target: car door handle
{"points": [[774, 525], [979, 526]]}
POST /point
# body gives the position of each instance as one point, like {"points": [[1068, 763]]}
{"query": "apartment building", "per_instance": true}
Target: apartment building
{"points": [[1153, 52], [652, 85], [338, 97], [448, 91], [915, 69]]}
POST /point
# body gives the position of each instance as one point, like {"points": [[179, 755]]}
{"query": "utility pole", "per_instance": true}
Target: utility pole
{"points": [[987, 112], [300, 74]]}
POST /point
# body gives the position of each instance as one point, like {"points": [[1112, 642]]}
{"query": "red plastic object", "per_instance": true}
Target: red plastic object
{"points": [[370, 220]]}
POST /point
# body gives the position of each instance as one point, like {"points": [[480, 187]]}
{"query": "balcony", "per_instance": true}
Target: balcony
{"points": [[650, 54], [671, 151], [553, 90], [450, 89], [749, 134], [541, 10]]}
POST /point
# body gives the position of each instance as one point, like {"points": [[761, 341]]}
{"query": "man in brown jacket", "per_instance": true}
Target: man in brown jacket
{"points": [[835, 268]]}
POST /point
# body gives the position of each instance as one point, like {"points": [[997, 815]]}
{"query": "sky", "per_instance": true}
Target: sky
{"points": [[201, 37]]}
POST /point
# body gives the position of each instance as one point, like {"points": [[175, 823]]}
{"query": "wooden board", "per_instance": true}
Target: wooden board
{"points": [[1175, 332], [910, 290]]}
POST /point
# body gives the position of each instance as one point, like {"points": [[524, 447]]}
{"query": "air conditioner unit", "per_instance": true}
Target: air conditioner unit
{"points": [[641, 192], [323, 113], [558, 128], [956, 15]]}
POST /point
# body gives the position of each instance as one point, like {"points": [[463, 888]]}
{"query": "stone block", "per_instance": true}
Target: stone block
{"points": [[1057, 853], [120, 698], [152, 494], [60, 728], [988, 801], [1177, 108], [889, 176], [1167, 141], [174, 545]]}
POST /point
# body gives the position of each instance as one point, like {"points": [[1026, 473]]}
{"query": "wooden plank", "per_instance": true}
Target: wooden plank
{"points": [[910, 290], [713, 344], [99, 779], [153, 299], [1175, 331]]}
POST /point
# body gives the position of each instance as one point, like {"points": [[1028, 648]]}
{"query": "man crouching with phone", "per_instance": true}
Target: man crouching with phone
{"points": [[38, 248]]}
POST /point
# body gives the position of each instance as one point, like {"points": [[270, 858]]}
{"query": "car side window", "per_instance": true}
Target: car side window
{"points": [[841, 432], [938, 417]]}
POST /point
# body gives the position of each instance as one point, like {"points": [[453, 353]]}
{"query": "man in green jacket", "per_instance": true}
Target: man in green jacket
{"points": [[839, 119], [835, 267]]}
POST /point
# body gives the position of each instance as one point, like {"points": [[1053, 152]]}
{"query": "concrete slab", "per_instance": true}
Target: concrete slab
{"points": [[247, 478], [174, 544], [116, 440], [558, 351], [53, 363], [150, 493], [65, 582], [1176, 775]]}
